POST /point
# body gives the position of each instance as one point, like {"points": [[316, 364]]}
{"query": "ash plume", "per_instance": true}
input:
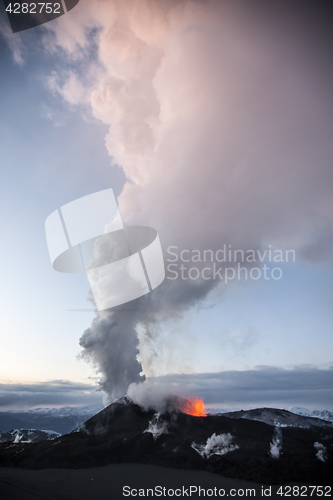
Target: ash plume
{"points": [[213, 117], [110, 344]]}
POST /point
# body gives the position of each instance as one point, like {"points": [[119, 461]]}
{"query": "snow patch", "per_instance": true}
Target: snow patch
{"points": [[217, 444]]}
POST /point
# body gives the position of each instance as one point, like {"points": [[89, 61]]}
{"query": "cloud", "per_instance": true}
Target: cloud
{"points": [[53, 393], [220, 130], [320, 248], [220, 123], [14, 41], [264, 386], [72, 90]]}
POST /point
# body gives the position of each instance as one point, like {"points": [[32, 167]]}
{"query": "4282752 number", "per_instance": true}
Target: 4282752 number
{"points": [[304, 491], [33, 8]]}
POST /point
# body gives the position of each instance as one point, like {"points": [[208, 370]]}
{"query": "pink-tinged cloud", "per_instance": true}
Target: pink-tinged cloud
{"points": [[219, 117], [221, 126]]}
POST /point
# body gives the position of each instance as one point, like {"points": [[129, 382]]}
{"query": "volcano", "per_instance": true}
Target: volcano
{"points": [[264, 446]]}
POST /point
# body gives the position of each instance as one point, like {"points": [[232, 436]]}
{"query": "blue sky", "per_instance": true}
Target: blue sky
{"points": [[53, 152], [44, 165]]}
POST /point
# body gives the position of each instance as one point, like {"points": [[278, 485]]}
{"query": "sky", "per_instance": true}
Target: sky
{"points": [[212, 123]]}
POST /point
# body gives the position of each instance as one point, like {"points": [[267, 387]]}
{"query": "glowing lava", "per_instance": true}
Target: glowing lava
{"points": [[194, 406]]}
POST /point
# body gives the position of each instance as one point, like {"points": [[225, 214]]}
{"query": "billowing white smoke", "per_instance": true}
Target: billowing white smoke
{"points": [[149, 396], [218, 129], [276, 444], [217, 444], [157, 426], [110, 343], [321, 451]]}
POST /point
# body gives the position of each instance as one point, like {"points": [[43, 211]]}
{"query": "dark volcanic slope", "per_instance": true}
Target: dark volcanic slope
{"points": [[119, 434]]}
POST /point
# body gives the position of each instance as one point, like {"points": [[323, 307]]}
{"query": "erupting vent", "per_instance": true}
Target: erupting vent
{"points": [[194, 406]]}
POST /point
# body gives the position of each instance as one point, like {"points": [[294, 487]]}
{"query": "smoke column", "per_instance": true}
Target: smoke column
{"points": [[219, 114], [110, 344]]}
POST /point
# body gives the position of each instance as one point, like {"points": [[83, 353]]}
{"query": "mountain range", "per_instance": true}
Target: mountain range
{"points": [[265, 445]]}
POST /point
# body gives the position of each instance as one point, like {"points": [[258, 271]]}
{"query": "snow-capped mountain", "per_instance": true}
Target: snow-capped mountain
{"points": [[322, 414], [60, 420], [27, 436], [63, 411], [279, 418]]}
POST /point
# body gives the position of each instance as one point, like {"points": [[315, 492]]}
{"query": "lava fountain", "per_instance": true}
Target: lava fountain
{"points": [[194, 406]]}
